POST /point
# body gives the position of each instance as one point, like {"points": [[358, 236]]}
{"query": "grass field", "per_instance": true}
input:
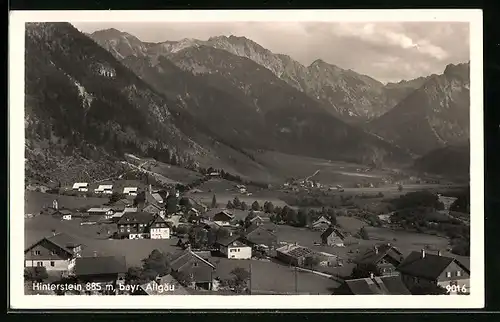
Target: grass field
{"points": [[175, 173], [36, 201], [407, 240], [273, 278], [351, 225]]}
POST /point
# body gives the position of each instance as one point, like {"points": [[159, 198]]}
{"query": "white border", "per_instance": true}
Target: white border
{"points": [[16, 155]]}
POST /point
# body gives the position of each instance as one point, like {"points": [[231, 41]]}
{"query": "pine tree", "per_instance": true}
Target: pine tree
{"points": [[214, 202]]}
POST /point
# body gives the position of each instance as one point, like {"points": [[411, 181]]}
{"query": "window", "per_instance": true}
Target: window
{"points": [[448, 274], [52, 263], [238, 250], [459, 273], [122, 230], [39, 264], [37, 252], [52, 252]]}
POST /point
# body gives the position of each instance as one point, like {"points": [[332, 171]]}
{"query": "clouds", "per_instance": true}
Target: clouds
{"points": [[386, 51]]}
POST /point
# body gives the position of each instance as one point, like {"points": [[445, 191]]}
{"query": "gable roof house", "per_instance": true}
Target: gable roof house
{"points": [[332, 237], [223, 218], [130, 191], [159, 228], [424, 269], [321, 224], [380, 260], [192, 270], [105, 212], [107, 270], [63, 214], [148, 203], [373, 285], [104, 188], [293, 254], [135, 225], [231, 247], [81, 186], [259, 236], [55, 253]]}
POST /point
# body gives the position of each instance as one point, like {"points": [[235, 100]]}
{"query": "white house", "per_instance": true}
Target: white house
{"points": [[130, 191], [106, 212], [81, 186], [104, 188], [232, 248], [159, 229]]}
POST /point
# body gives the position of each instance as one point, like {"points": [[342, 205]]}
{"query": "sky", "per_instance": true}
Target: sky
{"points": [[386, 51]]}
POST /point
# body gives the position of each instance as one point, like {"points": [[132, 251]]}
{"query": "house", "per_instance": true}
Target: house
{"points": [[260, 237], [63, 214], [104, 188], [423, 269], [332, 237], [373, 285], [135, 225], [159, 228], [56, 253], [123, 203], [81, 186], [214, 174], [327, 259], [104, 212], [321, 224], [232, 248], [148, 203], [193, 271], [223, 218], [381, 260], [165, 285], [157, 198], [293, 254], [130, 191], [257, 221], [108, 272], [117, 215]]}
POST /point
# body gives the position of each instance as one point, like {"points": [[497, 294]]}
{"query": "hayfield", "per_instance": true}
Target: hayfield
{"points": [[351, 225], [407, 240], [34, 201], [273, 278], [175, 173], [301, 236], [330, 172]]}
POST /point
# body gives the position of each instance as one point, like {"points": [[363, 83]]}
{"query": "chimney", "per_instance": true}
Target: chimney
{"points": [[376, 249], [422, 252], [439, 253], [372, 276]]}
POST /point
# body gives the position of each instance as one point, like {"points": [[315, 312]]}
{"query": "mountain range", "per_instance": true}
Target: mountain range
{"points": [[216, 102]]}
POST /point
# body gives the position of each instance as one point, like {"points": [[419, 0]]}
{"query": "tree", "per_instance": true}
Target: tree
{"points": [[185, 202], [364, 234], [255, 205], [243, 206], [248, 219], [311, 261], [214, 202], [35, 274], [400, 187], [171, 204], [157, 262], [236, 202], [268, 207], [302, 218], [115, 197], [229, 205], [241, 278]]}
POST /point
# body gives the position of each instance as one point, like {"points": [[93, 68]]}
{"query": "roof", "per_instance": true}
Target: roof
{"points": [[157, 197], [218, 212], [100, 265], [295, 250], [256, 232], [105, 187], [61, 240], [62, 212], [184, 257], [332, 230], [136, 218], [227, 240], [77, 185], [129, 189], [373, 256], [100, 209], [429, 267], [379, 285], [320, 220]]}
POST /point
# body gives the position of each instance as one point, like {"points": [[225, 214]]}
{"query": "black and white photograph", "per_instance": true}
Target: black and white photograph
{"points": [[309, 155]]}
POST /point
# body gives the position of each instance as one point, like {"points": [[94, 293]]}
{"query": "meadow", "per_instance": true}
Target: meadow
{"points": [[34, 201]]}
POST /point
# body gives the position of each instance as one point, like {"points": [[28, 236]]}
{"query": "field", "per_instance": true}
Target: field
{"points": [[175, 173], [36, 201], [270, 278], [330, 172], [407, 240], [351, 225]]}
